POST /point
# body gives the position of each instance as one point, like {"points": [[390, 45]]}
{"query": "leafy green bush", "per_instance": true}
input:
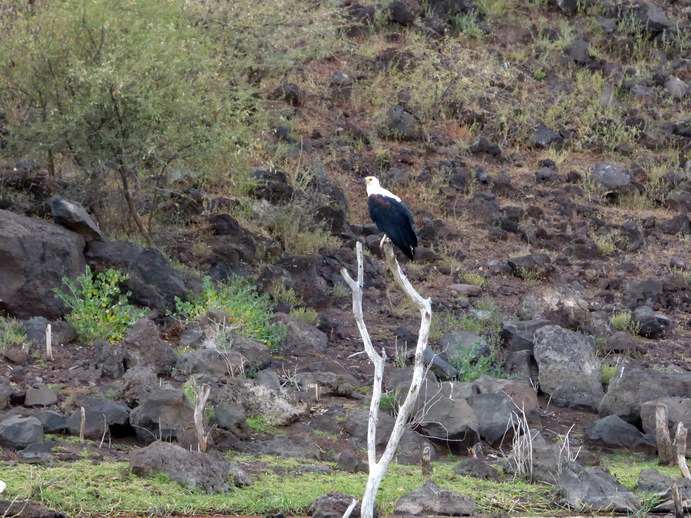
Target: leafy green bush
{"points": [[99, 310], [470, 366], [244, 309], [623, 321], [11, 333]]}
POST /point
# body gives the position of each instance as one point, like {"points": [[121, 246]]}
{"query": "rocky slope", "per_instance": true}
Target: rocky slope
{"points": [[544, 150]]}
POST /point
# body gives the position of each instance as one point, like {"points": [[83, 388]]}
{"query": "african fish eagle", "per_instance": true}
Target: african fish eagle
{"points": [[391, 216]]}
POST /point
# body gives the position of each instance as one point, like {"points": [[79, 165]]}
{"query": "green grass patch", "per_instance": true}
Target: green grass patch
{"points": [[11, 333], [280, 485]]}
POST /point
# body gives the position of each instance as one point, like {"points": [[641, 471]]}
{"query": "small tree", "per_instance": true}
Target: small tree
{"points": [[377, 469]]}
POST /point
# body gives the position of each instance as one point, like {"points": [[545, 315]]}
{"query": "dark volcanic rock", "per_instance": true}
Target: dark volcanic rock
{"points": [[545, 137], [476, 468], [650, 324], [431, 499], [144, 346], [614, 432], [569, 370], [537, 265], [334, 505], [481, 145], [403, 125], [193, 469], [404, 13], [153, 281], [594, 490], [18, 432], [165, 414], [34, 257], [272, 186], [101, 415], [74, 217]]}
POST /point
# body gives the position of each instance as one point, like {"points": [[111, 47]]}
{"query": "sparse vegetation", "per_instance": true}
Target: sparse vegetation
{"points": [[154, 152], [258, 423], [474, 278], [309, 315], [11, 333], [244, 309], [99, 311], [292, 226], [622, 321]]}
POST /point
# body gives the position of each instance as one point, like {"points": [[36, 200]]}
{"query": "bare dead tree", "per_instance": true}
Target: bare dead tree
{"points": [[377, 469]]}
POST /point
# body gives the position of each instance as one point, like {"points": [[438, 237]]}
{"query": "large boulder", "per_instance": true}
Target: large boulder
{"points": [[561, 305], [613, 432], [74, 217], [431, 499], [153, 280], [18, 432], [144, 347], [279, 406], [569, 370], [193, 469], [165, 414], [594, 490], [631, 386], [441, 411], [34, 257], [100, 416], [496, 415]]}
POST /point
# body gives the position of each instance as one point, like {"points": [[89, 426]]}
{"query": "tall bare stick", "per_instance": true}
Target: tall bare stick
{"points": [[378, 469], [49, 343]]}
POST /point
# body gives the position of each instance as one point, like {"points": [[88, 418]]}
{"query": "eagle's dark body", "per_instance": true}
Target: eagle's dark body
{"points": [[391, 217]]}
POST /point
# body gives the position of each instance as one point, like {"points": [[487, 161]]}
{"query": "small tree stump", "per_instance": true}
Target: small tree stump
{"points": [[680, 445], [665, 451]]}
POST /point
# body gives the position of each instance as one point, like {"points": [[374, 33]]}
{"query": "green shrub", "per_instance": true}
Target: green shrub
{"points": [[387, 403], [607, 370], [622, 321], [309, 315], [99, 311], [11, 333], [470, 366], [244, 309]]}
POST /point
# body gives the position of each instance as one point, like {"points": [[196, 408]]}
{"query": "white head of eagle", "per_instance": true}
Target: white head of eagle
{"points": [[391, 216]]}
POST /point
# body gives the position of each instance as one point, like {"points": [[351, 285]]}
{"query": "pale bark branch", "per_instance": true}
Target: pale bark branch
{"points": [[378, 468]]}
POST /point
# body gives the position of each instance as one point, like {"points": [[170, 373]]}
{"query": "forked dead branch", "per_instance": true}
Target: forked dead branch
{"points": [[377, 469]]}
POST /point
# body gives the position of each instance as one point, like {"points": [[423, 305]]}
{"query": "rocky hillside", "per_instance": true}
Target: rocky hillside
{"points": [[185, 225]]}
